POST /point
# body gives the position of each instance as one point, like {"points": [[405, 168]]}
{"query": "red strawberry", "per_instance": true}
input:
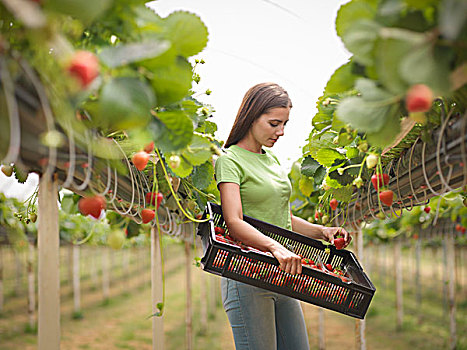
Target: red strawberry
{"points": [[84, 65], [219, 230], [386, 197], [92, 206], [339, 242], [151, 198], [427, 209], [379, 180], [459, 227], [220, 238], [149, 147], [419, 98], [140, 160], [333, 203], [147, 215], [329, 267]]}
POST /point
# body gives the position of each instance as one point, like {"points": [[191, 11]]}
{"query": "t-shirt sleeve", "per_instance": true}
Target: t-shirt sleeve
{"points": [[227, 170]]}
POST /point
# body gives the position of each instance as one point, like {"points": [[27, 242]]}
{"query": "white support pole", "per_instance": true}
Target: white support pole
{"points": [[418, 287], [321, 329], [126, 269], [382, 266], [70, 266], [1, 280], [19, 272], [76, 281], [360, 338], [49, 277], [189, 311], [31, 286], [203, 298], [213, 281], [445, 279], [434, 270], [105, 273], [156, 291], [94, 266], [449, 237], [398, 277]]}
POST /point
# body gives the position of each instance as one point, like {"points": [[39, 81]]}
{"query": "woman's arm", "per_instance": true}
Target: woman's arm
{"points": [[244, 232], [319, 232]]}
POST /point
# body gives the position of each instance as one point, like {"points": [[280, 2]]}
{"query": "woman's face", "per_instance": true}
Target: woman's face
{"points": [[267, 129]]}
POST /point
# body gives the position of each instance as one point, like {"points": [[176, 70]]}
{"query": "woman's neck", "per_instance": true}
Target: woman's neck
{"points": [[250, 145]]}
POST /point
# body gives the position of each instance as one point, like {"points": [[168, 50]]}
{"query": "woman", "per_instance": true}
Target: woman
{"points": [[251, 182]]}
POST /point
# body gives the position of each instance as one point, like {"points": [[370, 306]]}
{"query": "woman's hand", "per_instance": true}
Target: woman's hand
{"points": [[288, 261], [329, 233]]}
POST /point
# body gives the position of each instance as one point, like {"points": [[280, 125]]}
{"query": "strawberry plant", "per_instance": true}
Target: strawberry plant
{"points": [[381, 102]]}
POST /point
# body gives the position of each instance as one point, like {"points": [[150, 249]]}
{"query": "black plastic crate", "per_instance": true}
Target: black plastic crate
{"points": [[350, 296]]}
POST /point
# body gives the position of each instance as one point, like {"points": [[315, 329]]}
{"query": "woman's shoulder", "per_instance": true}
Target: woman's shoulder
{"points": [[228, 156], [272, 155]]}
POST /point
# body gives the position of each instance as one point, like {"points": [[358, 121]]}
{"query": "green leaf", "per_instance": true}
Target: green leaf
{"points": [[453, 14], [360, 39], [171, 82], [125, 103], [160, 177], [84, 10], [320, 174], [133, 52], [389, 130], [422, 67], [305, 185], [351, 152], [68, 205], [343, 194], [184, 169], [199, 150], [342, 80], [343, 180], [20, 173], [369, 112], [327, 156], [187, 32], [351, 12], [309, 166], [421, 4], [314, 146], [362, 115], [388, 57], [370, 91], [203, 175], [172, 130], [207, 127]]}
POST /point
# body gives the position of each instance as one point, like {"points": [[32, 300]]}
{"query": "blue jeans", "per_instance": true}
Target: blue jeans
{"points": [[263, 320]]}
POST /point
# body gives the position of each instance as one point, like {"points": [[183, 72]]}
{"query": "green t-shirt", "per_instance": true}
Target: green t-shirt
{"points": [[264, 185]]}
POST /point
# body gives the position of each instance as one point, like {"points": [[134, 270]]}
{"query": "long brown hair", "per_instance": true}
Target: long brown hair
{"points": [[258, 100]]}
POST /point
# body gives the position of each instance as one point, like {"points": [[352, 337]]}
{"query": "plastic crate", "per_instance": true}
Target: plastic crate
{"points": [[261, 269]]}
